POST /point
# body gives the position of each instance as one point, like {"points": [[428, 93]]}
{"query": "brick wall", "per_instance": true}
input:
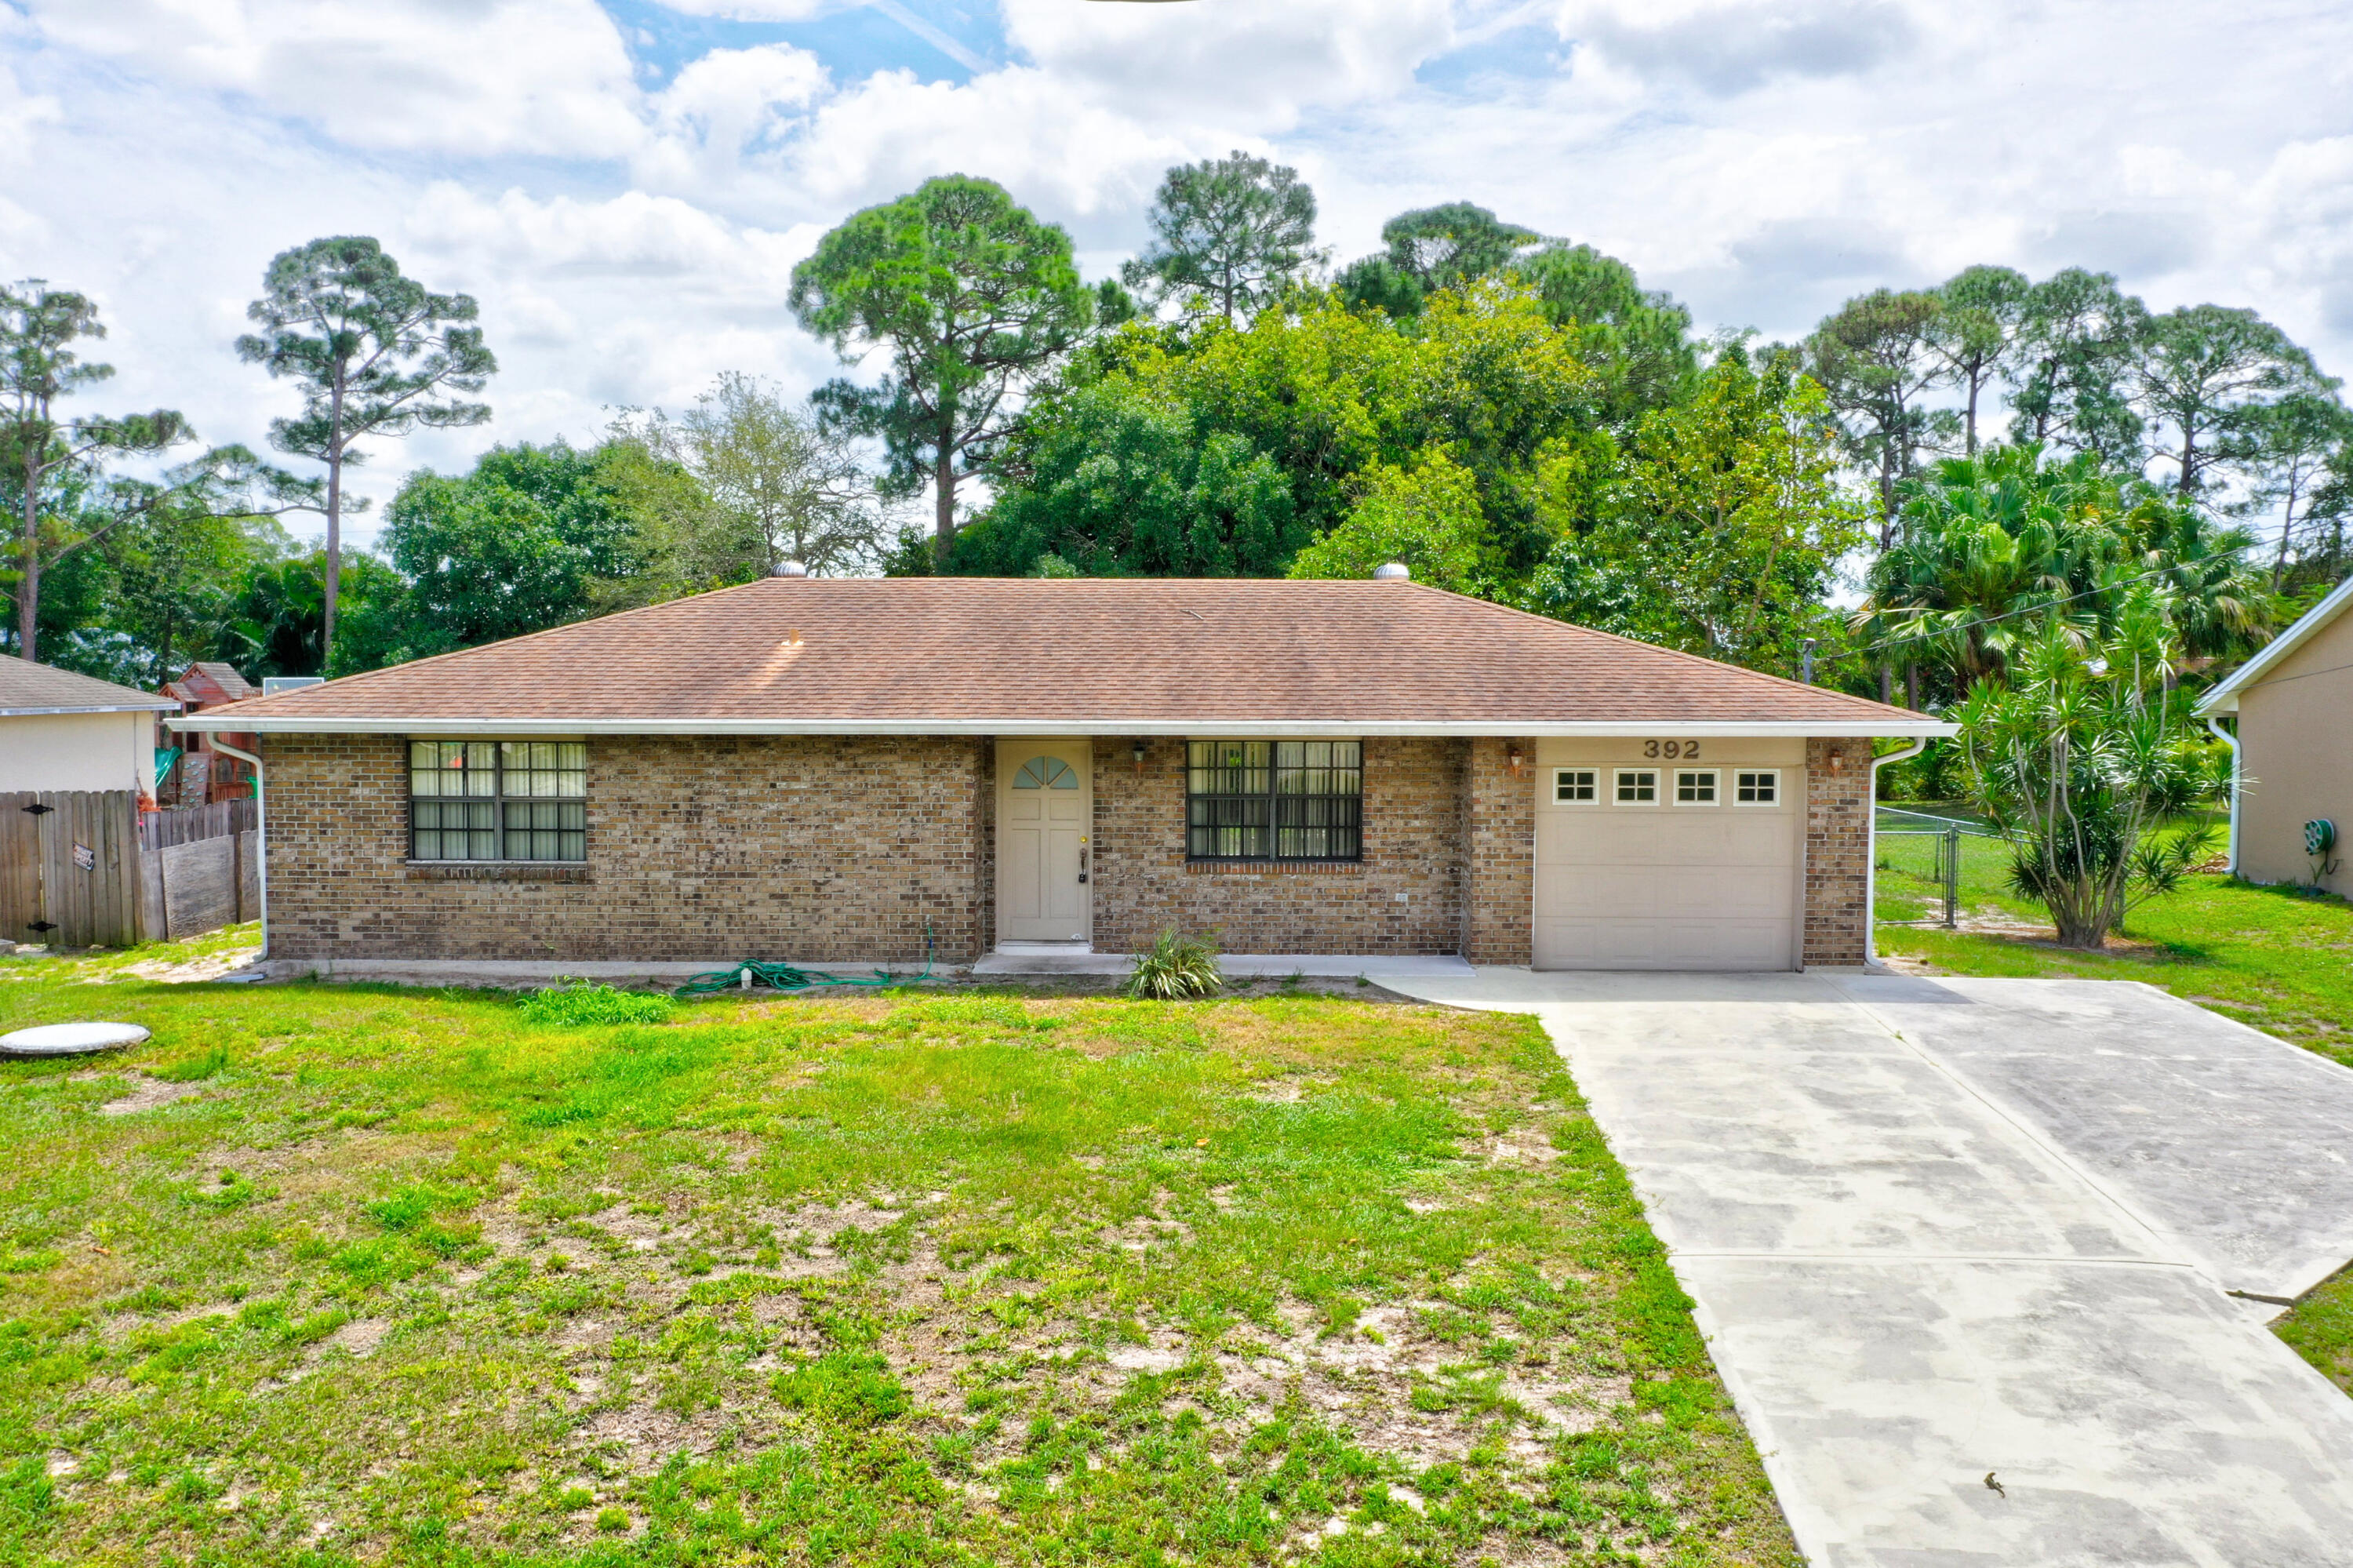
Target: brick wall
{"points": [[831, 849], [1405, 897], [1837, 850], [1500, 813]]}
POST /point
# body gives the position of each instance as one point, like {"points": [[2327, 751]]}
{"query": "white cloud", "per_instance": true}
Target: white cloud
{"points": [[1733, 46], [481, 78]]}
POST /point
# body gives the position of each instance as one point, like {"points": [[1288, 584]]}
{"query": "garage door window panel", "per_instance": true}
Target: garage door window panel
{"points": [[1757, 787], [1577, 785], [1695, 787], [1638, 787]]}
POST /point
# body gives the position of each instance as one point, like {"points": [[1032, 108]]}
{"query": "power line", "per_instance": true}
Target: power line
{"points": [[2006, 614]]}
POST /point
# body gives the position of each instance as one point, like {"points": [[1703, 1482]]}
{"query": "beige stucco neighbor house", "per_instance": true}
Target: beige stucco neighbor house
{"points": [[842, 771], [2294, 701], [62, 732]]}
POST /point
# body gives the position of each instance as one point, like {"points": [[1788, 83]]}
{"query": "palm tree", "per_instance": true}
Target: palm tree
{"points": [[1995, 550]]}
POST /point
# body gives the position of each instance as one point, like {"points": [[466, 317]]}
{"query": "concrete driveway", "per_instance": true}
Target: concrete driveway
{"points": [[1942, 1228]]}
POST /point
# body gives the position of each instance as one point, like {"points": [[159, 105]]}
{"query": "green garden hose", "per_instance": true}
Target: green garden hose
{"points": [[751, 972]]}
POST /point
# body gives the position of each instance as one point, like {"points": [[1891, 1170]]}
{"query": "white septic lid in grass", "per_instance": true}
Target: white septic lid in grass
{"points": [[70, 1039]]}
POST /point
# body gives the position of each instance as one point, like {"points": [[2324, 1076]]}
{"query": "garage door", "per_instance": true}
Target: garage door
{"points": [[1652, 865]]}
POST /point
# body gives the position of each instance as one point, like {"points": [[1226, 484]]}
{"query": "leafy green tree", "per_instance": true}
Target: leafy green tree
{"points": [[1125, 481], [180, 549], [970, 296], [1975, 334], [1716, 530], [680, 540], [1318, 397], [2081, 757], [1427, 517], [1636, 342], [2294, 448], [513, 547], [797, 486], [279, 620], [1429, 249], [2206, 374], [41, 448], [2070, 376], [1229, 235], [376, 354], [1875, 357]]}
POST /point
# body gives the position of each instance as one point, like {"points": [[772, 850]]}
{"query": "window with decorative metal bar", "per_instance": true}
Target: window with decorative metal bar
{"points": [[1274, 800], [498, 799]]}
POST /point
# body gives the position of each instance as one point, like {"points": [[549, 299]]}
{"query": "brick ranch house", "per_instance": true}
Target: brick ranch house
{"points": [[835, 772]]}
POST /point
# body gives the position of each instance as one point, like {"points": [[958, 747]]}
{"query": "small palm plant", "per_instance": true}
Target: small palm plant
{"points": [[2083, 762], [1175, 967]]}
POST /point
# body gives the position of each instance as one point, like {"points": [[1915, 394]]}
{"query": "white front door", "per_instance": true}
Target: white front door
{"points": [[1044, 816]]}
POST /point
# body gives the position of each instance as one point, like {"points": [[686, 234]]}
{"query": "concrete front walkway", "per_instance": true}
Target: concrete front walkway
{"points": [[1942, 1229]]}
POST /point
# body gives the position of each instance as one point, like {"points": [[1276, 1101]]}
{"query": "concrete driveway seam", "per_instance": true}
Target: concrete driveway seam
{"points": [[2166, 1241]]}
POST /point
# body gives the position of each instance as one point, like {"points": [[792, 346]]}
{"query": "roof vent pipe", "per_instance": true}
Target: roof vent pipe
{"points": [[791, 569], [1395, 571]]}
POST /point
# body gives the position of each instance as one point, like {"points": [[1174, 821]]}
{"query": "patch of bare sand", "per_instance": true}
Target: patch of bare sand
{"points": [[208, 967], [149, 1094]]}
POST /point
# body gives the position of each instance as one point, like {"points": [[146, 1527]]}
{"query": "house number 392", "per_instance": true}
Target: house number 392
{"points": [[1684, 748]]}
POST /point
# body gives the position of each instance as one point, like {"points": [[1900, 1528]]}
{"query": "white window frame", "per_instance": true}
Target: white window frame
{"points": [[1618, 777], [1771, 805], [1715, 788], [1592, 774]]}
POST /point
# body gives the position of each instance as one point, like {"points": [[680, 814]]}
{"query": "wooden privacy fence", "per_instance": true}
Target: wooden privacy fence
{"points": [[83, 870]]}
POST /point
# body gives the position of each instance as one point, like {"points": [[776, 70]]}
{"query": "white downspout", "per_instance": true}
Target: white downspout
{"points": [[2215, 722], [1870, 850], [260, 835]]}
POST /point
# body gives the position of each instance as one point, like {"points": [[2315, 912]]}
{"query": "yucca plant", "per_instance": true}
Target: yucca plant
{"points": [[1175, 967]]}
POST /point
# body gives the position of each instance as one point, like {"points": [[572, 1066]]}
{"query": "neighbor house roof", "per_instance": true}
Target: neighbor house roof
{"points": [[2224, 697], [26, 688], [1016, 656]]}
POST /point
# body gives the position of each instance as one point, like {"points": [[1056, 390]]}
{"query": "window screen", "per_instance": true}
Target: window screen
{"points": [[1274, 800], [503, 799]]}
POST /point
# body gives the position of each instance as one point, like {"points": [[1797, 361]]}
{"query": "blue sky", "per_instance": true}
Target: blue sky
{"points": [[626, 184]]}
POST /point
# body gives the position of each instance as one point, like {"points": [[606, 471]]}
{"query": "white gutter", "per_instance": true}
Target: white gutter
{"points": [[2215, 722], [1871, 844], [90, 708], [228, 720], [260, 837]]}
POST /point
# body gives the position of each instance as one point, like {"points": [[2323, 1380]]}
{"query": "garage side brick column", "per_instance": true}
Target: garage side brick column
{"points": [[1837, 850], [1500, 843]]}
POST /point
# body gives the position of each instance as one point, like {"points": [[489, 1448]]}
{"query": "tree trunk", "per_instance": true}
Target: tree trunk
{"points": [[943, 505], [2085, 933], [1974, 384], [334, 523], [28, 586], [2189, 461], [2287, 530]]}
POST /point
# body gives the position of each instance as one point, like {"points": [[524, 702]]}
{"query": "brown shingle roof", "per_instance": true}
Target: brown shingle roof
{"points": [[1008, 655], [46, 689]]}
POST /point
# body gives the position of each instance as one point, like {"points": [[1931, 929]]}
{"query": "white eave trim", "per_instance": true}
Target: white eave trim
{"points": [[2224, 699], [1337, 729], [92, 708]]}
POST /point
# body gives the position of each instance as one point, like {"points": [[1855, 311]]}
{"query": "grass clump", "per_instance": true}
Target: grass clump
{"points": [[1175, 967], [573, 1006]]}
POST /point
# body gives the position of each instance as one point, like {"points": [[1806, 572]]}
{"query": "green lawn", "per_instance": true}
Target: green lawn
{"points": [[333, 1274], [2274, 957]]}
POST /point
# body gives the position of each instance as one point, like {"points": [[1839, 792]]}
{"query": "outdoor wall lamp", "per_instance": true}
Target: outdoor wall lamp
{"points": [[1517, 759], [1136, 752]]}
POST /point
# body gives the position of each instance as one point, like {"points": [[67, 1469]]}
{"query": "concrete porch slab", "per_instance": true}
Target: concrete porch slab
{"points": [[1255, 966]]}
